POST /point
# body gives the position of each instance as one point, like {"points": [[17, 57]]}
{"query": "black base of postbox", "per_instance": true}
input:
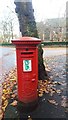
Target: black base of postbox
{"points": [[27, 107]]}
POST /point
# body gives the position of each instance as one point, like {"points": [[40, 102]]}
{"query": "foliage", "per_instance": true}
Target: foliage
{"points": [[7, 26], [6, 30], [52, 29], [54, 43]]}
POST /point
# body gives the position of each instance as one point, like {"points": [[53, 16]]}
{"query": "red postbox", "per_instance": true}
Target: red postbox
{"points": [[27, 68]]}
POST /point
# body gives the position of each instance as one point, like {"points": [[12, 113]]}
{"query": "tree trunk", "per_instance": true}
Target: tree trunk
{"points": [[28, 28]]}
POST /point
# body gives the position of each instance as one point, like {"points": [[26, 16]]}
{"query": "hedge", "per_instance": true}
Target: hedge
{"points": [[43, 44], [54, 43]]}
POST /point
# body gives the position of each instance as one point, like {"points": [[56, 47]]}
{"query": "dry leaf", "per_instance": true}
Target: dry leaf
{"points": [[1, 111], [5, 86], [58, 91], [57, 74], [59, 83], [55, 82], [46, 91], [14, 103], [4, 91], [51, 94], [63, 104], [5, 103], [1, 116], [3, 97], [7, 96], [47, 69], [13, 95], [53, 102], [3, 108], [54, 89], [40, 95]]}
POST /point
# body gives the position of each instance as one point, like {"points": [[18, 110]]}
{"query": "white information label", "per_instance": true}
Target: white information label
{"points": [[27, 65]]}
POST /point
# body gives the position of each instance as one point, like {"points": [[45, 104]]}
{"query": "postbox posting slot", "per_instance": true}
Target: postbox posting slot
{"points": [[26, 53]]}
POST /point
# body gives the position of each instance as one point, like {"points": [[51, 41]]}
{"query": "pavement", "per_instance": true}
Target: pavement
{"points": [[7, 61], [50, 105]]}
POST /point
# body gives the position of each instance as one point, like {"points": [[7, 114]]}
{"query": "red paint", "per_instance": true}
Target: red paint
{"points": [[26, 49]]}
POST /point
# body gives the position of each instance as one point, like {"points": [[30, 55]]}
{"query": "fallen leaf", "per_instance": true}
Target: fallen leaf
{"points": [[5, 86], [51, 94], [1, 111], [57, 74], [46, 91], [63, 104], [54, 89], [53, 102], [64, 101], [3, 97], [1, 116], [48, 69], [5, 102], [40, 95], [3, 108], [58, 91], [7, 96], [55, 82], [59, 83], [13, 95], [14, 103]]}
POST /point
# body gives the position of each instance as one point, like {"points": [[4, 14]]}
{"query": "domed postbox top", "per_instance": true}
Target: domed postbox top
{"points": [[26, 40]]}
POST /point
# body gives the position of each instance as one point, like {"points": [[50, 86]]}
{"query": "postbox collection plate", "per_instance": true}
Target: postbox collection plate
{"points": [[27, 65]]}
